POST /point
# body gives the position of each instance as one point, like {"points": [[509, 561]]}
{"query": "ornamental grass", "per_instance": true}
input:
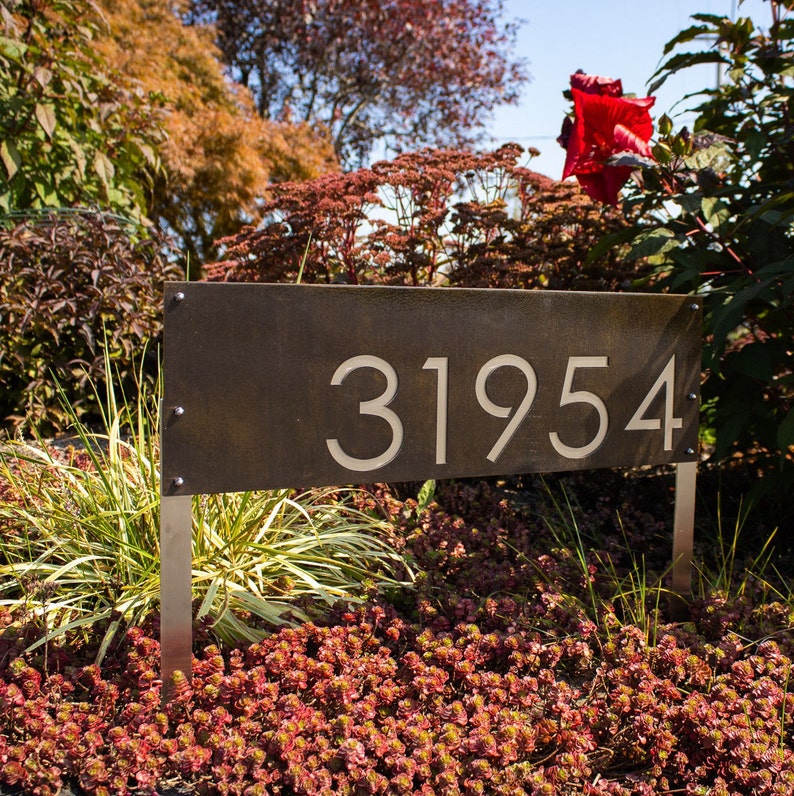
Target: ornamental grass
{"points": [[80, 542]]}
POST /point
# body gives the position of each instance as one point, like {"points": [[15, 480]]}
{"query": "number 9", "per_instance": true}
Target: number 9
{"points": [[503, 361]]}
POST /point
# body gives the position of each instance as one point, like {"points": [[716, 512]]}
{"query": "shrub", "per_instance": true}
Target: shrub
{"points": [[72, 285], [428, 218], [71, 131], [714, 217]]}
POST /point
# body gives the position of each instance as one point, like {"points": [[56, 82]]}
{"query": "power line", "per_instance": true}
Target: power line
{"points": [[525, 137]]}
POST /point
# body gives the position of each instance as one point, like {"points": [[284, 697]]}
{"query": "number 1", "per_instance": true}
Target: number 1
{"points": [[440, 364]]}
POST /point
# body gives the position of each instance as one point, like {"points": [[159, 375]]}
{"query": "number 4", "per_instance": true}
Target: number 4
{"points": [[641, 423]]}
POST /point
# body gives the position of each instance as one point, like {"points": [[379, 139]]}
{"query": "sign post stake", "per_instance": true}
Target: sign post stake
{"points": [[176, 619], [683, 533]]}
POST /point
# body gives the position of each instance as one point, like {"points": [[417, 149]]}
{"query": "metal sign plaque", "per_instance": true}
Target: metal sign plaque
{"points": [[267, 386]]}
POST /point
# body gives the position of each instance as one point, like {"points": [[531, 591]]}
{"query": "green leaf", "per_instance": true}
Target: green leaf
{"points": [[12, 160], [687, 35], [756, 360], [655, 241], [148, 153], [45, 116], [104, 168], [785, 431], [688, 202], [609, 242], [730, 314], [755, 142], [717, 156], [426, 495], [683, 61], [12, 49], [715, 211], [46, 193]]}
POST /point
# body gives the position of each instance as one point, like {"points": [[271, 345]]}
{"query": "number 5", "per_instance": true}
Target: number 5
{"points": [[570, 396]]}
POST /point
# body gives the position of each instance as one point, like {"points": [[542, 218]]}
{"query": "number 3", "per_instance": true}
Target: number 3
{"points": [[378, 407]]}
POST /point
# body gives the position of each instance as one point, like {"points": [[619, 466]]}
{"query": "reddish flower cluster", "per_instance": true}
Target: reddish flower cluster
{"points": [[475, 220], [605, 124]]}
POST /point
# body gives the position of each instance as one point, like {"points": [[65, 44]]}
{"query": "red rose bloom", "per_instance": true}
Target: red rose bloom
{"points": [[605, 124]]}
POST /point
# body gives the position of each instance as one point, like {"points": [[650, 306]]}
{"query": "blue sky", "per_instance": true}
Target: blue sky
{"points": [[605, 37]]}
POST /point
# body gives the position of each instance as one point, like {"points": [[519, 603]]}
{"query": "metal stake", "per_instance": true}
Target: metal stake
{"points": [[176, 618], [683, 535]]}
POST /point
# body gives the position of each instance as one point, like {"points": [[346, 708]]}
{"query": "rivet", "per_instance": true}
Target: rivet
{"points": [[694, 307], [689, 452], [179, 481], [179, 411], [692, 396], [179, 296]]}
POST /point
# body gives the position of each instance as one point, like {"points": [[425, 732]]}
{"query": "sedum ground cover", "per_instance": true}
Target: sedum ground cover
{"points": [[531, 655]]}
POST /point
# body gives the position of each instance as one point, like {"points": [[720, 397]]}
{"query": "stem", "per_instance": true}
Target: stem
{"points": [[744, 267]]}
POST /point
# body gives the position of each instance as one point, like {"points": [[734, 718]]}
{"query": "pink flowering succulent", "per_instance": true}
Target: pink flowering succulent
{"points": [[490, 678]]}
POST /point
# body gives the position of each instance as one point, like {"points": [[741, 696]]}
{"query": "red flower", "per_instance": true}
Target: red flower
{"points": [[605, 123], [595, 84]]}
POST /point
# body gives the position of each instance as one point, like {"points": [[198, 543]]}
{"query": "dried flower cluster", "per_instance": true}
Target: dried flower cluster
{"points": [[428, 218], [493, 677]]}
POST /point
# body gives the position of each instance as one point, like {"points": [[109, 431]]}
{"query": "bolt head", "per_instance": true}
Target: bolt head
{"points": [[179, 481]]}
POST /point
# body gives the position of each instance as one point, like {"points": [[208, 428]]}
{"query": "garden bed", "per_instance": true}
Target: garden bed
{"points": [[532, 656]]}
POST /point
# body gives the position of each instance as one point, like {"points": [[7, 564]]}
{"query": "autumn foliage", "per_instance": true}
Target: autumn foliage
{"points": [[429, 218], [409, 73], [219, 157]]}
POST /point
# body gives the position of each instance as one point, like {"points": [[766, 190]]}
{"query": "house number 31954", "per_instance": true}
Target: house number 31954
{"points": [[514, 415]]}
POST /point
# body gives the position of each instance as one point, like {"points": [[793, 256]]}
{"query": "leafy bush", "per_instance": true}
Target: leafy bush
{"points": [[427, 218], [71, 285], [715, 218], [71, 132]]}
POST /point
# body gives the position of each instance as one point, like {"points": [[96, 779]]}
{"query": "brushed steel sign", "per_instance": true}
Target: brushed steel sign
{"points": [[268, 386]]}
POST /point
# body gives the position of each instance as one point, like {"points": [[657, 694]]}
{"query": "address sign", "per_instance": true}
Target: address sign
{"points": [[301, 385]]}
